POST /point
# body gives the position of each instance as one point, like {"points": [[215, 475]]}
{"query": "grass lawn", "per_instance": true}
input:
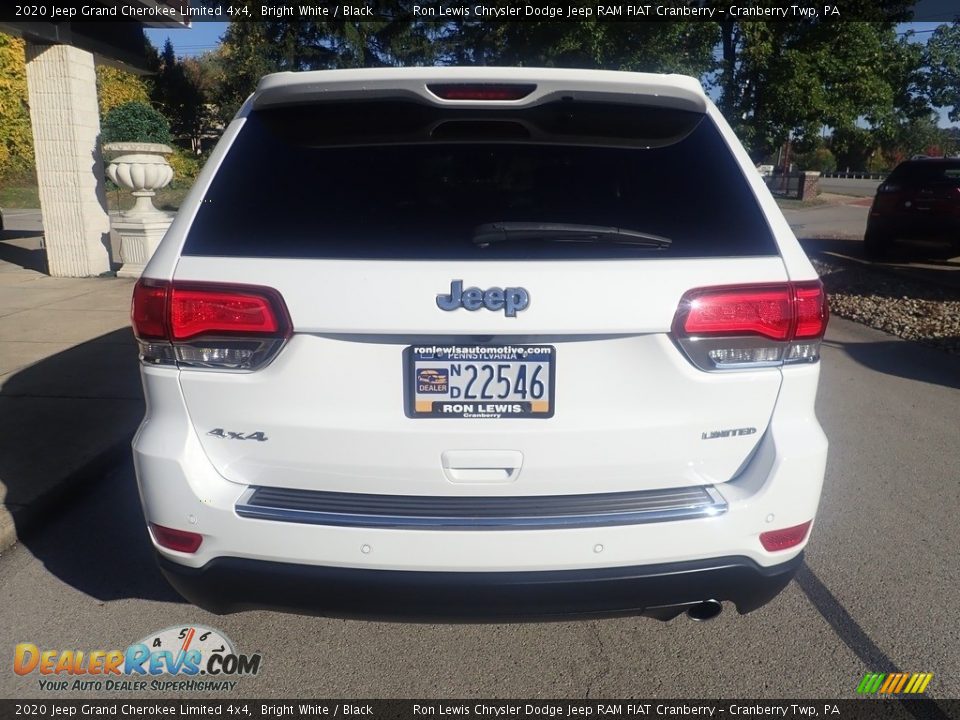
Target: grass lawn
{"points": [[169, 198], [18, 196], [15, 195], [787, 204]]}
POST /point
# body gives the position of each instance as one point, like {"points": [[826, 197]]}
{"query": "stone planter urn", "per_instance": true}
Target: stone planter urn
{"points": [[143, 169]]}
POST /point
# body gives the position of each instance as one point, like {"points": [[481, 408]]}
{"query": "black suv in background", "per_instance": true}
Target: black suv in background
{"points": [[920, 199]]}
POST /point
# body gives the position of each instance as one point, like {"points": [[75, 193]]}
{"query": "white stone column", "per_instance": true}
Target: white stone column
{"points": [[62, 87]]}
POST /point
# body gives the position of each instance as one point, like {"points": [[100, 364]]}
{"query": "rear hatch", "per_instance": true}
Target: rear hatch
{"points": [[397, 230], [927, 192]]}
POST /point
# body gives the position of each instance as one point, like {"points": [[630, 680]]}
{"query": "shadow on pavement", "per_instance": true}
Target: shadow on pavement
{"points": [[854, 637], [930, 281], [944, 273], [925, 263], [28, 258], [96, 542], [65, 468], [819, 246], [907, 360]]}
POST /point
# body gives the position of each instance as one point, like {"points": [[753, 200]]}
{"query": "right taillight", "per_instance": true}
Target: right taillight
{"points": [[224, 327], [740, 327]]}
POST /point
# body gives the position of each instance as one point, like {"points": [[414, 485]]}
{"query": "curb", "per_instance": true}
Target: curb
{"points": [[18, 523]]}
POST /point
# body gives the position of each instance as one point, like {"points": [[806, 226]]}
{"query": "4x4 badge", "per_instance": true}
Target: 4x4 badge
{"points": [[230, 435], [511, 300]]}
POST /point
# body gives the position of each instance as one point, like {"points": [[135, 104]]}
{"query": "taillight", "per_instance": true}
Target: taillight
{"points": [[888, 198], [786, 538], [149, 311], [227, 327], [198, 311], [748, 326], [480, 91], [811, 310], [739, 311], [179, 540]]}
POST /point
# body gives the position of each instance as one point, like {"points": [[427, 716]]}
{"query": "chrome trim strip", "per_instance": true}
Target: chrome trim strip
{"points": [[479, 513]]}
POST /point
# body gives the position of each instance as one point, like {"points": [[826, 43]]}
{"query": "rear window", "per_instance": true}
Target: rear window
{"points": [[922, 171], [405, 180]]}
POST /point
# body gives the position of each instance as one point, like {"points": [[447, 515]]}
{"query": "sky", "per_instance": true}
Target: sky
{"points": [[204, 36], [199, 38]]}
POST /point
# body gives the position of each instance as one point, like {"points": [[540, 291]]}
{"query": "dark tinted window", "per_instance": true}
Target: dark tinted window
{"points": [[926, 171], [403, 180]]}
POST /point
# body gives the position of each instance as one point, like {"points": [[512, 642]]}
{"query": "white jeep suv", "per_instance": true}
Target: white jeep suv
{"points": [[492, 343]]}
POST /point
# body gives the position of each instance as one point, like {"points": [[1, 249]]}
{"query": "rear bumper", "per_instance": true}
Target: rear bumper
{"points": [[230, 584], [916, 225]]}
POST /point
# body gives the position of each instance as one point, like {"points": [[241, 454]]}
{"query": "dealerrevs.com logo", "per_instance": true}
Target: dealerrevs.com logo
{"points": [[175, 659]]}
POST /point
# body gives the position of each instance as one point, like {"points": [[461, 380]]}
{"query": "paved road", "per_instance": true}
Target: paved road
{"points": [[833, 221], [879, 591]]}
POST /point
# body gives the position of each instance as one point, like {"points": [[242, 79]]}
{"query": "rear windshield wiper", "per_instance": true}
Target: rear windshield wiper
{"points": [[497, 232]]}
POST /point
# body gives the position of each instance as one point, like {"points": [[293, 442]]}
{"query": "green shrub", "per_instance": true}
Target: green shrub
{"points": [[186, 166], [135, 121]]}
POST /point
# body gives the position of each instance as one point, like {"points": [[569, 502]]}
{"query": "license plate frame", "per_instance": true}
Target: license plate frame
{"points": [[436, 403]]}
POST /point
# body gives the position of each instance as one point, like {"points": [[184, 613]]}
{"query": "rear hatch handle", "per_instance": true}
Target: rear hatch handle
{"points": [[481, 466]]}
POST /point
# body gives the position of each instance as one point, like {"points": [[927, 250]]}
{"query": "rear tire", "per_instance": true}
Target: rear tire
{"points": [[877, 245]]}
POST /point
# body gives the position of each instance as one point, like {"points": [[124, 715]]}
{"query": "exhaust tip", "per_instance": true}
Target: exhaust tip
{"points": [[706, 610]]}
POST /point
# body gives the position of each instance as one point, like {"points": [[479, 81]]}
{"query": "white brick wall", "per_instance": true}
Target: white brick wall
{"points": [[62, 86]]}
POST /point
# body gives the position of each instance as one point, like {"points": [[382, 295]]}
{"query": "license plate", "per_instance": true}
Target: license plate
{"points": [[480, 381]]}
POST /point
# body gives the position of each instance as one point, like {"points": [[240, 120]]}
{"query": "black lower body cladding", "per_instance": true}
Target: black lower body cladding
{"points": [[226, 585]]}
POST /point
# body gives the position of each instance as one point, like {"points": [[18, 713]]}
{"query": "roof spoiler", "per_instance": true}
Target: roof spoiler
{"points": [[669, 91]]}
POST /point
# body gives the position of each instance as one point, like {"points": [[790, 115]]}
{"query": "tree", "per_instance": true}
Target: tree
{"points": [[788, 80], [942, 58], [819, 158], [863, 149], [854, 147], [179, 95], [116, 87], [682, 47], [243, 58], [16, 135], [920, 136]]}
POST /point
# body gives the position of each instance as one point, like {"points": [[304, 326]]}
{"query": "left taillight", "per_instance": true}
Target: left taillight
{"points": [[750, 326], [222, 327]]}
